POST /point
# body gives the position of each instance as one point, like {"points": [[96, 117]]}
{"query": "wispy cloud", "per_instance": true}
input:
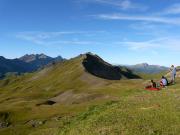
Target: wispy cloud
{"points": [[46, 35], [121, 4], [145, 18], [172, 9], [148, 26], [139, 45], [57, 38], [168, 43]]}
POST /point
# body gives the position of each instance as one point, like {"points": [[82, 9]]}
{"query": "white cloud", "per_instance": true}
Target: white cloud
{"points": [[122, 4], [172, 9], [139, 45], [47, 35], [168, 43], [144, 18], [73, 42], [56, 38]]}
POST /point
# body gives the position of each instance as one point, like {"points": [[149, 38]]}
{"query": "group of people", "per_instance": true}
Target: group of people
{"points": [[164, 81]]}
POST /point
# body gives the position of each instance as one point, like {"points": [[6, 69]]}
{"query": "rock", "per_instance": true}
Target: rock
{"points": [[4, 124], [35, 123], [94, 65]]}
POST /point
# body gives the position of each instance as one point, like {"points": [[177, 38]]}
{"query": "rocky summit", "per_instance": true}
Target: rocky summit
{"points": [[98, 67]]}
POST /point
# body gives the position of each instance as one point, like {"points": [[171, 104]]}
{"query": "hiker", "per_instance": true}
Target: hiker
{"points": [[163, 82], [173, 74]]}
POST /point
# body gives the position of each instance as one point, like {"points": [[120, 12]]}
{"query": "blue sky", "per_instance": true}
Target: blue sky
{"points": [[120, 31]]}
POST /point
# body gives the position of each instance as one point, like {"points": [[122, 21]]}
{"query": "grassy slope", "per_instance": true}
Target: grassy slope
{"points": [[19, 95], [135, 112], [144, 113]]}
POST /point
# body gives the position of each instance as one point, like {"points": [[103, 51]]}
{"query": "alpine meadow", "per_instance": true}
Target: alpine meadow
{"points": [[89, 67]]}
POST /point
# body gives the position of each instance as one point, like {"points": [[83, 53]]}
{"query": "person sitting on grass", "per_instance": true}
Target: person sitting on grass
{"points": [[163, 82], [152, 85]]}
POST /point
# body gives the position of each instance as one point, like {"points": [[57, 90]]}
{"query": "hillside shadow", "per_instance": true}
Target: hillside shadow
{"points": [[129, 74], [98, 67]]}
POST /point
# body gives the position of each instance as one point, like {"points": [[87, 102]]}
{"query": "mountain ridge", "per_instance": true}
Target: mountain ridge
{"points": [[98, 67], [147, 68], [51, 98], [26, 63], [31, 57], [33, 62]]}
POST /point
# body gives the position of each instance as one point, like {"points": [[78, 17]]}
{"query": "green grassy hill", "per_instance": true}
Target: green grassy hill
{"points": [[64, 98]]}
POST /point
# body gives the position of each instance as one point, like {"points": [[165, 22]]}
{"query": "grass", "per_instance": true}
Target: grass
{"points": [[128, 110], [145, 113]]}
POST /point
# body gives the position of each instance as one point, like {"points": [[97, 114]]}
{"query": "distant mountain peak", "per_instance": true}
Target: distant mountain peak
{"points": [[1, 58], [146, 68], [59, 57], [143, 64], [33, 57], [26, 63], [42, 56]]}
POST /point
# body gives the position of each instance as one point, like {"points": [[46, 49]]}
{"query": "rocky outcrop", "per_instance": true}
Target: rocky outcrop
{"points": [[4, 119], [98, 67]]}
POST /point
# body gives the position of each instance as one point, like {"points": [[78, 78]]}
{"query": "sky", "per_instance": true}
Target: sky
{"points": [[119, 31]]}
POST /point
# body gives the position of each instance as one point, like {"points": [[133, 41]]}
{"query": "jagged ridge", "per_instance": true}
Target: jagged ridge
{"points": [[98, 67]]}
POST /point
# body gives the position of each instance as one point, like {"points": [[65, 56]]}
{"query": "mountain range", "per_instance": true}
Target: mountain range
{"points": [[26, 63], [40, 98], [33, 62], [84, 94], [146, 68]]}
